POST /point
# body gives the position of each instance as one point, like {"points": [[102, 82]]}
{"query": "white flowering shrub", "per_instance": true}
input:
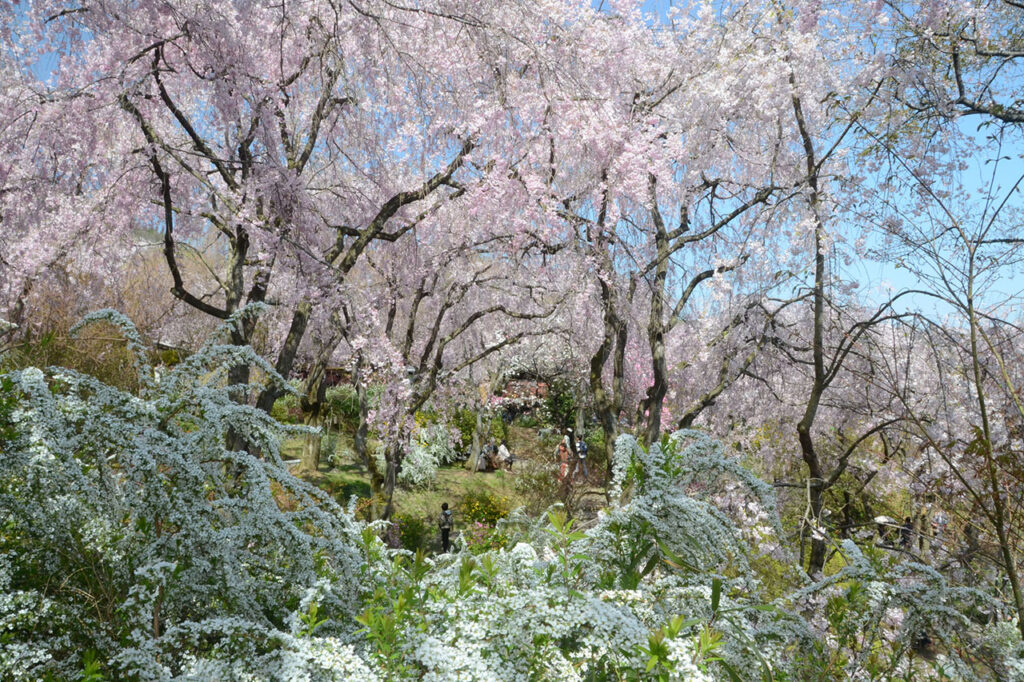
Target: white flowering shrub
{"points": [[655, 589], [661, 587], [1002, 642], [159, 536], [134, 531], [429, 449], [906, 621]]}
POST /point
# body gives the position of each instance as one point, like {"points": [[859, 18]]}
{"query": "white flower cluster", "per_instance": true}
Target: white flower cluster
{"points": [[681, 652], [24, 616]]}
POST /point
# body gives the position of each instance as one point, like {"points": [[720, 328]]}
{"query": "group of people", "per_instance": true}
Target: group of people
{"points": [[572, 450], [493, 458], [571, 455]]}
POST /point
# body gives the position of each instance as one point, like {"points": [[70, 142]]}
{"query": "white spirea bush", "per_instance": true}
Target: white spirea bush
{"points": [[159, 536], [642, 594], [139, 527], [908, 621], [429, 449]]}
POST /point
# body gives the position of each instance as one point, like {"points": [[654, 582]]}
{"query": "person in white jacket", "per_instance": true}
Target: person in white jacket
{"points": [[504, 456]]}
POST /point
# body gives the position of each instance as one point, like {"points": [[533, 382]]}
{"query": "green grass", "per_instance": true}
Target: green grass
{"points": [[346, 477], [451, 485]]}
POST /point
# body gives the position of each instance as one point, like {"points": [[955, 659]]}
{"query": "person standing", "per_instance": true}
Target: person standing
{"points": [[488, 454], [907, 533], [445, 523], [581, 459], [563, 461]]}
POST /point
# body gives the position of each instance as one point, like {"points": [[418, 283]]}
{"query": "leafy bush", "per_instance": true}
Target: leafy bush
{"points": [[8, 402], [465, 422], [537, 483], [286, 409], [497, 429], [483, 506], [481, 537], [561, 405], [343, 402], [596, 459], [364, 507], [413, 532], [429, 449]]}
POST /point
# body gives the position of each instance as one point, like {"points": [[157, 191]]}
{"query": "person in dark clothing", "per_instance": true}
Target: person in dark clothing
{"points": [[907, 533], [487, 454], [445, 523], [581, 459]]}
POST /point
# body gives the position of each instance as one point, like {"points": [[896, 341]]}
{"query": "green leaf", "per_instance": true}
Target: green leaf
{"points": [[733, 677], [651, 563], [678, 624], [674, 560], [716, 593]]}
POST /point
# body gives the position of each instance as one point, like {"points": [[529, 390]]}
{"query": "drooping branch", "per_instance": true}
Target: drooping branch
{"points": [[391, 207], [178, 288], [198, 142]]}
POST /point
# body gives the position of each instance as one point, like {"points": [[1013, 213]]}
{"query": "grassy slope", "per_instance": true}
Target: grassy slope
{"points": [[348, 477]]}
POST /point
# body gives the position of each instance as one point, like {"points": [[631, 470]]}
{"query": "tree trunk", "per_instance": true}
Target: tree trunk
{"points": [[924, 533], [816, 562], [286, 358], [999, 515], [312, 403], [477, 445], [656, 393], [392, 457], [604, 404], [656, 327], [360, 443], [816, 480], [238, 375], [362, 430], [815, 493]]}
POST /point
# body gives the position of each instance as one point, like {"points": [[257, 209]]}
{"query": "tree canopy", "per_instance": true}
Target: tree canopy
{"points": [[786, 231]]}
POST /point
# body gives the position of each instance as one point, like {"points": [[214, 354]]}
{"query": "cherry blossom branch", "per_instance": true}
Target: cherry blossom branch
{"points": [[178, 289], [397, 202], [197, 141]]}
